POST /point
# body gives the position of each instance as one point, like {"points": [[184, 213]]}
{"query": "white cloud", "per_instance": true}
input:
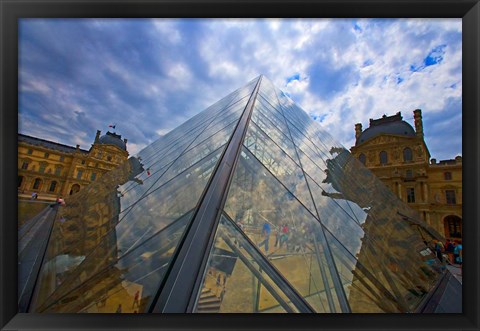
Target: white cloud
{"points": [[233, 51]]}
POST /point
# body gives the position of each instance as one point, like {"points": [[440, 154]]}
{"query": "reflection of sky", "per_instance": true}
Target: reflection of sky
{"points": [[149, 76]]}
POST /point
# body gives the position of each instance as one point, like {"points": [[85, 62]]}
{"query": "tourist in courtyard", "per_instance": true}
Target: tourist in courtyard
{"points": [[457, 252], [266, 236], [136, 300]]}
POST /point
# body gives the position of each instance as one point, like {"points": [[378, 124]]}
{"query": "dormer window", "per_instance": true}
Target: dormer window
{"points": [[383, 157], [407, 155]]}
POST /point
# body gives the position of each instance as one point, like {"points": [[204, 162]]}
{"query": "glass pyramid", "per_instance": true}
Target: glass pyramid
{"points": [[248, 207]]}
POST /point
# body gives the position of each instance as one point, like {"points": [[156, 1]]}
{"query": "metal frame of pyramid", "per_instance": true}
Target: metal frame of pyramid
{"points": [[189, 210]]}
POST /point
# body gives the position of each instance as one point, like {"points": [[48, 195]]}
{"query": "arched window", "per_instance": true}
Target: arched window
{"points": [[383, 157], [407, 154], [53, 186], [362, 158], [453, 226], [37, 183]]}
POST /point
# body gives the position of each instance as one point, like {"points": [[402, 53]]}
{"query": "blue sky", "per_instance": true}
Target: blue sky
{"points": [[149, 76]]}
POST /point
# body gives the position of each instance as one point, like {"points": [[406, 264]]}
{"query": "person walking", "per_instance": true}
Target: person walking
{"points": [[278, 234], [449, 251], [284, 237], [438, 250], [136, 299], [266, 230], [457, 252]]}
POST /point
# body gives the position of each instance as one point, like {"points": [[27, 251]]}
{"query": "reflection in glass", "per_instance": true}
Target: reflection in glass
{"points": [[82, 224], [153, 213], [126, 285], [234, 282], [283, 230]]}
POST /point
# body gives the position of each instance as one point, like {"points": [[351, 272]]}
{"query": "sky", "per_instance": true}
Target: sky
{"points": [[147, 76]]}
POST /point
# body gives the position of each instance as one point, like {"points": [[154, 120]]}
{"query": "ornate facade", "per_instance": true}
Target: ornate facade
{"points": [[51, 169], [398, 155]]}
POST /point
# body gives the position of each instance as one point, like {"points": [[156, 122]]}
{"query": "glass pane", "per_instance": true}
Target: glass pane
{"points": [[276, 130], [365, 294], [234, 282], [150, 214], [336, 220], [157, 178], [271, 112], [279, 164], [282, 229], [322, 185], [167, 148], [125, 285]]}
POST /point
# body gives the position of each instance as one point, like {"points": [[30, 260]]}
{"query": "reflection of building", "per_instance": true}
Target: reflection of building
{"points": [[398, 155], [86, 227], [247, 207], [52, 169]]}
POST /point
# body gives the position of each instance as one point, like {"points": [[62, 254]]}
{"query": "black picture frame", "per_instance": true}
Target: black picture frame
{"points": [[12, 10]]}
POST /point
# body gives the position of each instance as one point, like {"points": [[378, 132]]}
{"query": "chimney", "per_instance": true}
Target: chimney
{"points": [[97, 136], [358, 130], [417, 115]]}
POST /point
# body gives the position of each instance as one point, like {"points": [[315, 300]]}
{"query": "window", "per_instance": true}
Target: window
{"points": [[410, 195], [30, 151], [453, 226], [447, 175], [53, 185], [109, 158], [42, 168], [25, 165], [58, 171], [20, 181], [409, 173], [79, 174], [407, 154], [62, 158], [362, 158], [83, 161], [36, 183], [93, 176], [47, 155], [383, 157], [450, 197]]}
